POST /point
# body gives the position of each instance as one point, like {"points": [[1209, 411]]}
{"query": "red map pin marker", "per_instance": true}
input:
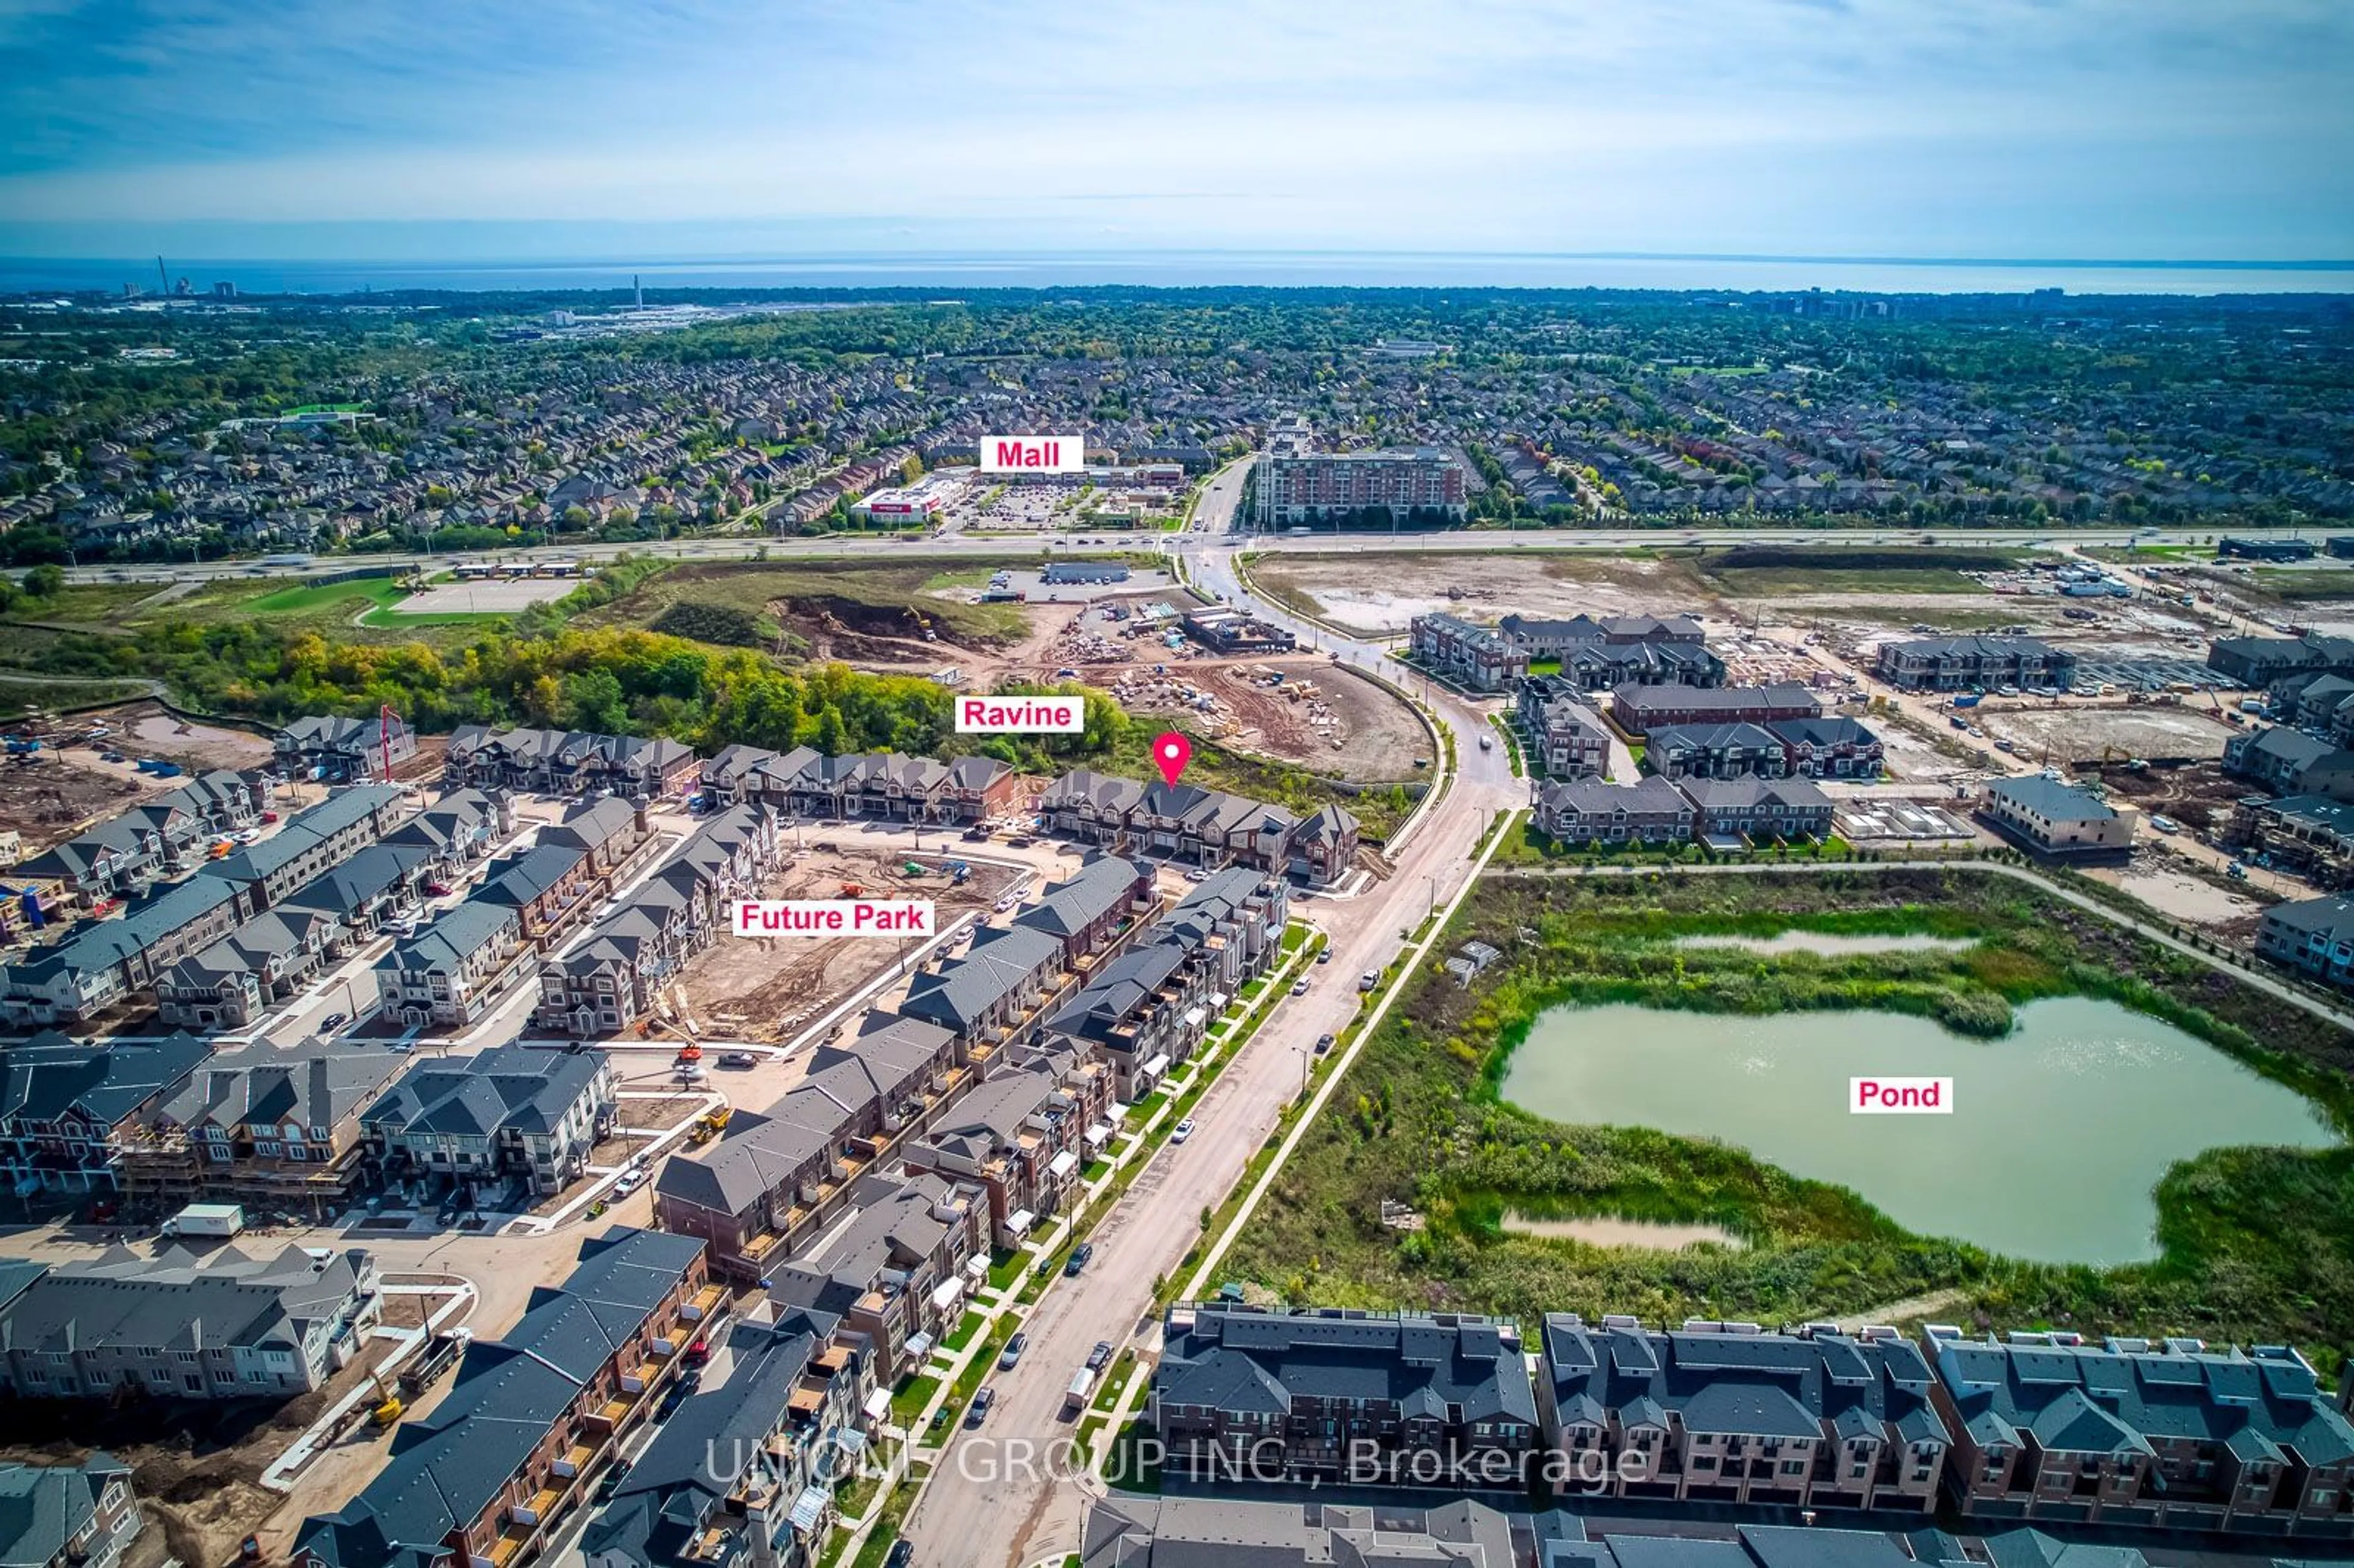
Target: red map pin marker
{"points": [[1171, 752]]}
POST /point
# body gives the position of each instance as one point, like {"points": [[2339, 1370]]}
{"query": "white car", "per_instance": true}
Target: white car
{"points": [[1184, 1129]]}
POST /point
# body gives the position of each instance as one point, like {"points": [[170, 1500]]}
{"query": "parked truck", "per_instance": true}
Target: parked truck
{"points": [[1967, 700], [219, 1220], [440, 1353], [1074, 1398]]}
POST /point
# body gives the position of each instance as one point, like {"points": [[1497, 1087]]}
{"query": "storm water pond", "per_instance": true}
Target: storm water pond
{"points": [[1830, 946], [2057, 1133]]}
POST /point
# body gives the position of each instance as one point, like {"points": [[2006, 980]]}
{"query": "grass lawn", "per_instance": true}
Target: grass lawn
{"points": [[16, 696], [885, 1533], [907, 1404], [962, 1335], [1767, 571], [1005, 1271], [85, 604]]}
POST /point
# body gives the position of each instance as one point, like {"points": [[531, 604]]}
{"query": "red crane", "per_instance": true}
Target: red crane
{"points": [[385, 720]]}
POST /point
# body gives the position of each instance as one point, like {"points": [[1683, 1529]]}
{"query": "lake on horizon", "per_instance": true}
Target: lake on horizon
{"points": [[2058, 1134]]}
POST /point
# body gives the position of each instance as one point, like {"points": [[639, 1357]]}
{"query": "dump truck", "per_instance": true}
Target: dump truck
{"points": [[440, 1353]]}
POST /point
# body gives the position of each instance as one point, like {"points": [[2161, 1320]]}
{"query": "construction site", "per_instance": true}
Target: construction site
{"points": [[773, 988]]}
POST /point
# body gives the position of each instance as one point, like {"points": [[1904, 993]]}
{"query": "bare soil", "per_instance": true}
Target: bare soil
{"points": [[768, 988]]}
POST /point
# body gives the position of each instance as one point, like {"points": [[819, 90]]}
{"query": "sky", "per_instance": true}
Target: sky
{"points": [[2140, 130]]}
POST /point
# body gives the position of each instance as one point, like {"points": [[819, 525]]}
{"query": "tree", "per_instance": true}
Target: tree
{"points": [[44, 580]]}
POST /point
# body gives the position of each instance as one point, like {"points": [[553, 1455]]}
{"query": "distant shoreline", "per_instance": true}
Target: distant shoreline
{"points": [[1615, 271]]}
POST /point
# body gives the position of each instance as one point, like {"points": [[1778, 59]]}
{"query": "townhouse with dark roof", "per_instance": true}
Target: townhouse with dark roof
{"points": [[1757, 810], [885, 785], [2257, 663], [508, 1115], [480, 1476], [892, 1267], [68, 1106], [451, 973], [2058, 820], [2309, 835], [1974, 663], [1716, 751], [343, 750], [558, 883], [1480, 657], [1600, 654], [1562, 735], [606, 982], [1021, 1134], [1206, 827], [1588, 811], [1833, 746], [66, 1516], [2162, 1435], [2314, 936], [1363, 1398], [160, 835], [746, 1468], [1087, 911], [993, 994], [566, 762], [174, 1327], [459, 829], [1726, 1412], [2290, 762], [274, 1128], [1638, 710]]}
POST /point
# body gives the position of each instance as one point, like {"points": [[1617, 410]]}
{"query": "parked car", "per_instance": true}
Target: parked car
{"points": [[902, 1552], [1369, 979], [615, 1474], [1323, 1043], [1078, 1260], [1100, 1357], [335, 1020], [1011, 1357], [981, 1404], [740, 1059], [1324, 955], [1183, 1130], [1299, 986]]}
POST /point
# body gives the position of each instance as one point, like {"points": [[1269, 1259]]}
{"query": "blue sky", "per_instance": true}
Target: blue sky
{"points": [[2133, 129]]}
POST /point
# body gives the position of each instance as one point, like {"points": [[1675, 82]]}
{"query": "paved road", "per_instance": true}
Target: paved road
{"points": [[974, 1511], [1203, 535]]}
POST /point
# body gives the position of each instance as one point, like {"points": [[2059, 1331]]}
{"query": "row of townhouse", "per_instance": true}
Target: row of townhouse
{"points": [[2031, 1426], [343, 750], [746, 1468], [1638, 710], [1974, 663], [1601, 653], [1560, 735], [2309, 835], [449, 974], [1206, 827], [265, 960], [511, 1115], [608, 980], [1827, 747], [566, 762], [99, 963], [161, 836], [894, 1269], [766, 1185], [1024, 1134], [68, 1516], [2291, 762], [178, 1328], [1480, 657], [1653, 811], [480, 1477], [1148, 1007], [885, 784]]}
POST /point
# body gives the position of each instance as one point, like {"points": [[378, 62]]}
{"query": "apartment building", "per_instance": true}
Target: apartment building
{"points": [[68, 1106], [480, 1476], [275, 1129], [1833, 746], [1740, 750], [2165, 1435], [343, 750], [1560, 733], [1639, 710], [606, 982], [1292, 484], [511, 1115], [566, 762], [1021, 1134], [1480, 657], [1589, 811], [449, 973], [1757, 810], [174, 1327], [66, 1516], [1974, 663], [2055, 819], [1724, 1413], [746, 1471], [892, 1267], [1363, 1398]]}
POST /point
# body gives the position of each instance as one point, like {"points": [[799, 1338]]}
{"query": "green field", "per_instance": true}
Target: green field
{"points": [[1772, 571]]}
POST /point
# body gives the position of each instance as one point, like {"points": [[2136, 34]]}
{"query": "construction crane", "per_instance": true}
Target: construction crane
{"points": [[385, 719]]}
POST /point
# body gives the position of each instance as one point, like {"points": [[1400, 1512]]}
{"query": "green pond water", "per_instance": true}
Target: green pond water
{"points": [[2057, 1133]]}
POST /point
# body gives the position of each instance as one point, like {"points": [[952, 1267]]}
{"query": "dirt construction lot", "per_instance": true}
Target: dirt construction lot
{"points": [[61, 792], [2080, 734], [770, 988], [1376, 594]]}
